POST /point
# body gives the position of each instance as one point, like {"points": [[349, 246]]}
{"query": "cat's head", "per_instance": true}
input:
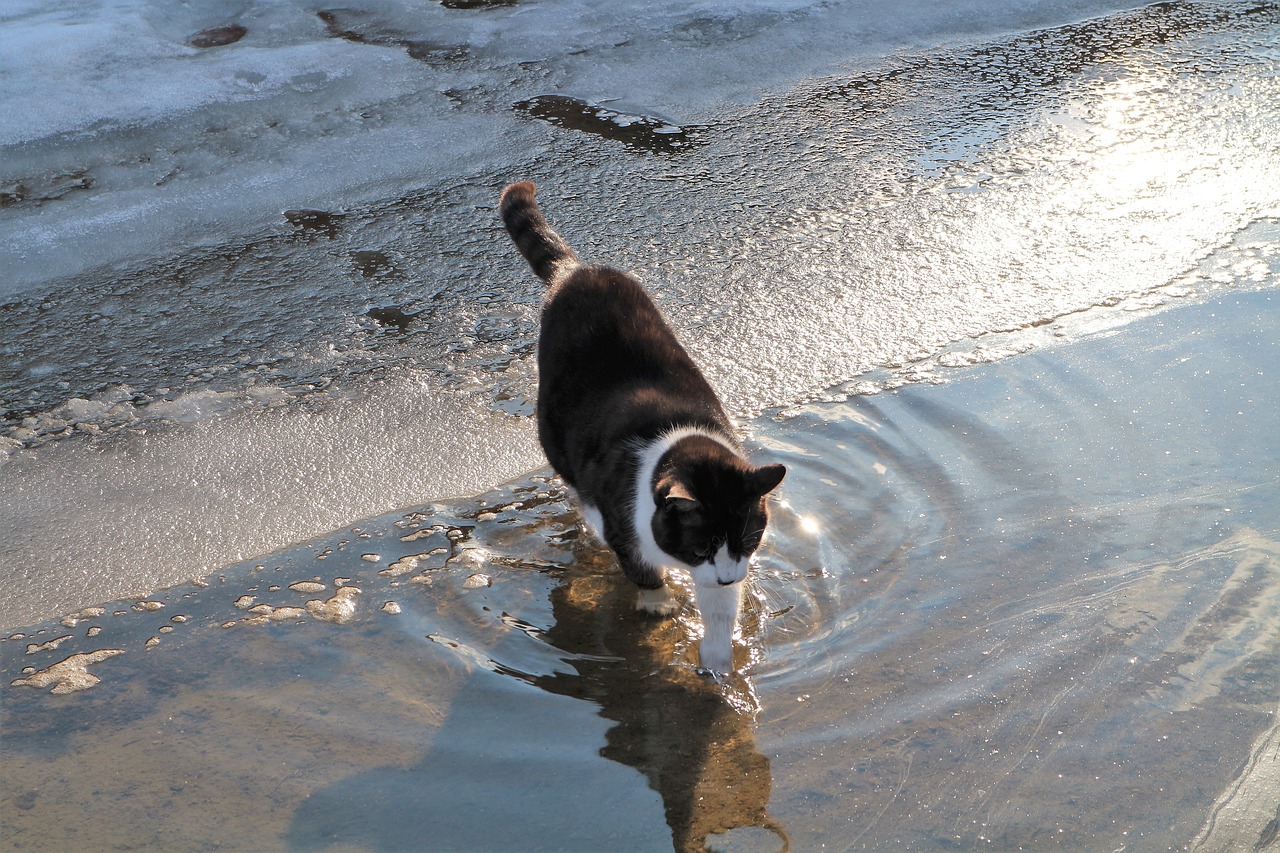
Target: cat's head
{"points": [[711, 509]]}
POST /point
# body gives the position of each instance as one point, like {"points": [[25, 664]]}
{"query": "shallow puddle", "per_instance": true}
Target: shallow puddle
{"points": [[1034, 606]]}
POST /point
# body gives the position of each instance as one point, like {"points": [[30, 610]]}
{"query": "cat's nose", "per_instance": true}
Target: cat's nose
{"points": [[730, 571]]}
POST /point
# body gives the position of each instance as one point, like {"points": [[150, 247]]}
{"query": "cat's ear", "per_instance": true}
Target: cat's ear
{"points": [[766, 478], [675, 494]]}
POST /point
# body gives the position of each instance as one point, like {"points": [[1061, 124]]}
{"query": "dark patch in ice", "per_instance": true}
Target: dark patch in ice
{"points": [[636, 131], [373, 264], [13, 194], [709, 29], [218, 36], [1270, 833], [314, 222], [37, 191], [476, 4], [459, 97], [511, 402], [358, 26], [433, 53], [492, 329], [392, 316]]}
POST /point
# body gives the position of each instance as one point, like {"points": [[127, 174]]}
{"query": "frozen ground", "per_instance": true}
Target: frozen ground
{"points": [[162, 126]]}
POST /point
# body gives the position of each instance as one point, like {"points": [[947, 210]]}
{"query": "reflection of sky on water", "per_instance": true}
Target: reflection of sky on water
{"points": [[1078, 624]]}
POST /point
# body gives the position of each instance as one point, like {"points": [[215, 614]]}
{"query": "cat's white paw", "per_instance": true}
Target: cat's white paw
{"points": [[715, 653], [659, 602]]}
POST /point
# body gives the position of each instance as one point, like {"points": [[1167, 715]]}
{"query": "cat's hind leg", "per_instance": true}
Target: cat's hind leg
{"points": [[592, 521], [655, 593]]}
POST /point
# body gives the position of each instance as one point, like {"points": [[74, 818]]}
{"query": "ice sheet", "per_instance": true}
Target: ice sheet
{"points": [[334, 106]]}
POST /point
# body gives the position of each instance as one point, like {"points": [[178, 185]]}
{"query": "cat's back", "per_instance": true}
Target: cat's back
{"points": [[589, 300], [603, 337], [605, 351]]}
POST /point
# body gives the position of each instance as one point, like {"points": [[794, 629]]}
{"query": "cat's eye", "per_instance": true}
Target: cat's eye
{"points": [[709, 553]]}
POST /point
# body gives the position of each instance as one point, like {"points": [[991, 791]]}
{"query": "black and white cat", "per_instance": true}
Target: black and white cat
{"points": [[638, 435]]}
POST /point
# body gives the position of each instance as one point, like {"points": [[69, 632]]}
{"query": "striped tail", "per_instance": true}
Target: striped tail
{"points": [[542, 247]]}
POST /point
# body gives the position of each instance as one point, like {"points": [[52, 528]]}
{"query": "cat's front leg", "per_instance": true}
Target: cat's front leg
{"points": [[654, 592], [659, 602], [718, 604]]}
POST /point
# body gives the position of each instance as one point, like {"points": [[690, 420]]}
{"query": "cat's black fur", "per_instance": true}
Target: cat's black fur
{"points": [[613, 380]]}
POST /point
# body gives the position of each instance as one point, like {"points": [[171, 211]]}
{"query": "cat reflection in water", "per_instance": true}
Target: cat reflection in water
{"points": [[638, 435]]}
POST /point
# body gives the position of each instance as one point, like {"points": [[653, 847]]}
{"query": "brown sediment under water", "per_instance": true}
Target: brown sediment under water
{"points": [[1034, 606]]}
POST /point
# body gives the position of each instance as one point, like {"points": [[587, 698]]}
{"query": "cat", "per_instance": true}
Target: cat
{"points": [[638, 436]]}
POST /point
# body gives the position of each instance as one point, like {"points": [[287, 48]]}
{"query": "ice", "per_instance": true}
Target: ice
{"points": [[146, 139], [70, 675], [172, 504], [47, 645], [339, 608]]}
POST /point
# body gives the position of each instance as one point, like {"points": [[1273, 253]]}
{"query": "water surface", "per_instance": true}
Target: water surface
{"points": [[1034, 606]]}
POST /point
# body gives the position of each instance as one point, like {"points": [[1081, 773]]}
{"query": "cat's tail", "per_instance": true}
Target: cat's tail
{"points": [[541, 246]]}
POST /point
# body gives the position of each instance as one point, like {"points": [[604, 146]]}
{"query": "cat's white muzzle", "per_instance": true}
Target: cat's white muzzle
{"points": [[721, 570]]}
